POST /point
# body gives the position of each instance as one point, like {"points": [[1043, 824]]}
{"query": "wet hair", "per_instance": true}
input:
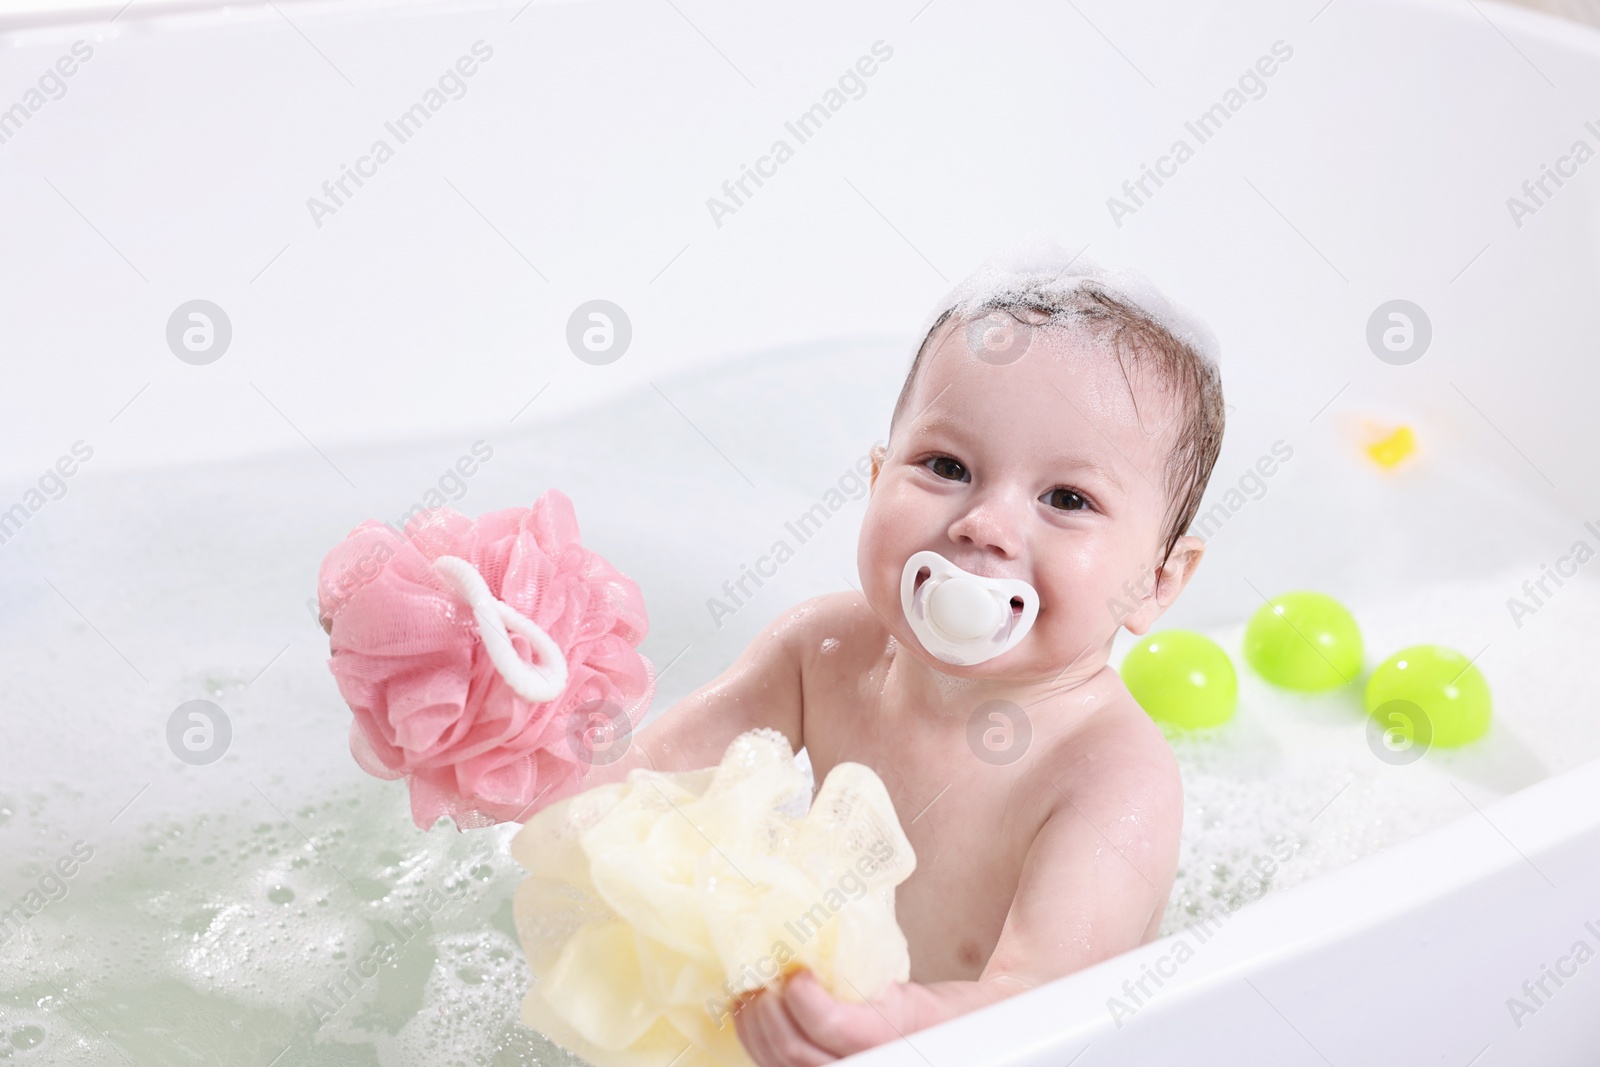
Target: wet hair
{"points": [[1170, 354]]}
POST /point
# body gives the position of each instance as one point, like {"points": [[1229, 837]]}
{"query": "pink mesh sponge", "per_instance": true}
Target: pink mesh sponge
{"points": [[486, 662]]}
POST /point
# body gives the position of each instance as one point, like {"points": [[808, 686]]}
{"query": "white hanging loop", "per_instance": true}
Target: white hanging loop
{"points": [[536, 683]]}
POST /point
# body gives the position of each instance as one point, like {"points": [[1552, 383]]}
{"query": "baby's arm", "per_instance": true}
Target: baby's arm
{"points": [[761, 688], [1095, 883]]}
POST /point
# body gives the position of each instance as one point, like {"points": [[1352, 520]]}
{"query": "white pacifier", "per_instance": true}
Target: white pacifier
{"points": [[964, 618]]}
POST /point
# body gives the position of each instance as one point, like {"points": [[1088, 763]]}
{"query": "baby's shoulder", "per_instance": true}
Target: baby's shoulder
{"points": [[846, 613], [840, 625], [1116, 767]]}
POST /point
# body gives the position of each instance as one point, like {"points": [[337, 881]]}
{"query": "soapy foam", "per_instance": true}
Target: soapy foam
{"points": [[246, 935], [1041, 268]]}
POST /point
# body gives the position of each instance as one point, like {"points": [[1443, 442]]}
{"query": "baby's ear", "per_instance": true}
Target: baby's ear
{"points": [[1170, 579], [878, 454]]}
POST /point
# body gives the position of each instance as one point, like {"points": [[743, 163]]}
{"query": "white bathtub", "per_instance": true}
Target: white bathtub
{"points": [[429, 310]]}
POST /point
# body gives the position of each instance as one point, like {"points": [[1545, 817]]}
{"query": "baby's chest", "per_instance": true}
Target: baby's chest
{"points": [[970, 829], [970, 845]]}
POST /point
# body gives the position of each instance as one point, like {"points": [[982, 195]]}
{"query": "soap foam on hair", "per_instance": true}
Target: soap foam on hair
{"points": [[1041, 268]]}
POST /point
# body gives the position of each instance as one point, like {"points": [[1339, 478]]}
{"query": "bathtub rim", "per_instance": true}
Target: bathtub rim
{"points": [[1329, 909]]}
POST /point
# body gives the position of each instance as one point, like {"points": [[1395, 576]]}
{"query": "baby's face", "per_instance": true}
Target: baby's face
{"points": [[1046, 469]]}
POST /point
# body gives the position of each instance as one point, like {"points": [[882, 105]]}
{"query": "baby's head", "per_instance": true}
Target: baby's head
{"points": [[1058, 425]]}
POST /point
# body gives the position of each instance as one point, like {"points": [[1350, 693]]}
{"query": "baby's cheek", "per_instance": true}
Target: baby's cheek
{"points": [[1109, 575], [871, 559], [1082, 616], [881, 556], [880, 533]]}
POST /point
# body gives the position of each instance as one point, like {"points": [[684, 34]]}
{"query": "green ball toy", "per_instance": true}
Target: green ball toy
{"points": [[1441, 683], [1305, 641], [1183, 678]]}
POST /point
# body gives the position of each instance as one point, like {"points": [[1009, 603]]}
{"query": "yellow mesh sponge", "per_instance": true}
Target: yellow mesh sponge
{"points": [[651, 905]]}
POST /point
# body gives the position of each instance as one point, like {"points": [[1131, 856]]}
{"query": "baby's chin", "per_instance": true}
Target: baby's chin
{"points": [[1026, 664]]}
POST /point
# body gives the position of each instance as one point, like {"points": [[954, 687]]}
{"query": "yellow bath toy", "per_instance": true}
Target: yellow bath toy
{"points": [[651, 906], [1393, 448]]}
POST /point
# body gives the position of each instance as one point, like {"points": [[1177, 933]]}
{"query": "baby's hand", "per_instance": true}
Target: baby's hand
{"points": [[802, 1026]]}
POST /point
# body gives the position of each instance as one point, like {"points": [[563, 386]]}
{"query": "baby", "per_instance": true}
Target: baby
{"points": [[1048, 449]]}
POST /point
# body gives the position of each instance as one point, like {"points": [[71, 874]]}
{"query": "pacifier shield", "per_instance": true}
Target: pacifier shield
{"points": [[964, 618]]}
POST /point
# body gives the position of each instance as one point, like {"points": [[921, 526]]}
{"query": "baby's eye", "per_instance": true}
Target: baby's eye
{"points": [[945, 467], [1066, 499]]}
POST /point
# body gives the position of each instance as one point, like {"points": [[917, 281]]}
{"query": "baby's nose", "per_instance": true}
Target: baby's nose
{"points": [[990, 524]]}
